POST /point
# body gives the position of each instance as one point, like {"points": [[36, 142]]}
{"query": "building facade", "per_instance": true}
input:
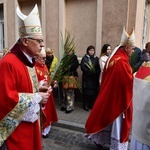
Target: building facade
{"points": [[91, 22]]}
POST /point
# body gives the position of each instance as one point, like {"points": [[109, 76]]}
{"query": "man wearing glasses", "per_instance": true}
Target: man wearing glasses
{"points": [[20, 94]]}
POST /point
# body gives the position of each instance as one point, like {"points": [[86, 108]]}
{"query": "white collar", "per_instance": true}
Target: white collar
{"points": [[28, 57]]}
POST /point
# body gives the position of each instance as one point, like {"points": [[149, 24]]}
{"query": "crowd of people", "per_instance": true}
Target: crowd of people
{"points": [[113, 86]]}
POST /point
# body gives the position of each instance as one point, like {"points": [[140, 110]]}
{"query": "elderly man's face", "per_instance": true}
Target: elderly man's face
{"points": [[41, 59], [129, 50], [34, 45]]}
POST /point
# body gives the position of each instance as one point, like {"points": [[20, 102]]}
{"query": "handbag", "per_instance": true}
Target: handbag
{"points": [[70, 82]]}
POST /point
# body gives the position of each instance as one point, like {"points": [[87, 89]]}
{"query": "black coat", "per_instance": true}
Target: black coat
{"points": [[73, 66], [90, 79], [48, 61]]}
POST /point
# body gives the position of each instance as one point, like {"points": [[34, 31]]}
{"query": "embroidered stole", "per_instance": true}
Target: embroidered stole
{"points": [[9, 123]]}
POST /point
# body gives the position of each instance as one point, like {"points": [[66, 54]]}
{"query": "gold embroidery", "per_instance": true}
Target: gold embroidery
{"points": [[146, 64], [114, 61], [12, 120], [40, 73], [34, 79]]}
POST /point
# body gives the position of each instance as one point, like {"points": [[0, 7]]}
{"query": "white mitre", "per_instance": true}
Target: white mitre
{"points": [[43, 52], [29, 25], [127, 39]]}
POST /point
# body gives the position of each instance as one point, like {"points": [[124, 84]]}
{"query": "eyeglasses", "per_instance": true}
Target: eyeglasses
{"points": [[37, 40]]}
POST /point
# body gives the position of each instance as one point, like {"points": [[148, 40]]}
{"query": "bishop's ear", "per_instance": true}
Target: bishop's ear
{"points": [[25, 41]]}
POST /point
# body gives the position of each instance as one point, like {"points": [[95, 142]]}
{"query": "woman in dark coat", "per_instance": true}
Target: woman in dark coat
{"points": [[90, 77]]}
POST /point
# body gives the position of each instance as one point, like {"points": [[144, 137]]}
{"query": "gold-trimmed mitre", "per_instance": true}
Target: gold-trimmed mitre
{"points": [[29, 25], [127, 39]]}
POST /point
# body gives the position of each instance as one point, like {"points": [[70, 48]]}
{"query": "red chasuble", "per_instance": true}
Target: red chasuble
{"points": [[49, 112], [115, 97], [144, 71], [15, 81]]}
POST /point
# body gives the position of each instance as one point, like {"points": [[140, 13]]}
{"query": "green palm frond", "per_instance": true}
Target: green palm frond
{"points": [[63, 65], [90, 66]]}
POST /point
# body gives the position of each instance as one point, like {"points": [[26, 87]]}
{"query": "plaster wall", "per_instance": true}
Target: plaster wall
{"points": [[85, 19], [93, 22], [113, 20], [80, 17], [139, 21], [9, 23], [81, 22], [26, 8], [52, 25], [131, 15]]}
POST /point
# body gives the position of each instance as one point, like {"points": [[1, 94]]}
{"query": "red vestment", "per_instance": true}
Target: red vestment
{"points": [[115, 97], [144, 71], [49, 112], [15, 79]]}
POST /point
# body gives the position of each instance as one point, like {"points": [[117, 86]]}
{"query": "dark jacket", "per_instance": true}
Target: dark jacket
{"points": [[48, 61], [73, 66], [136, 59], [90, 78]]}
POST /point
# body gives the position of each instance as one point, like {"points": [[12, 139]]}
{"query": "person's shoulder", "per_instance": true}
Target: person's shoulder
{"points": [[144, 51], [103, 58], [96, 58], [75, 55], [86, 56], [10, 58], [137, 49], [55, 58], [82, 57], [119, 59]]}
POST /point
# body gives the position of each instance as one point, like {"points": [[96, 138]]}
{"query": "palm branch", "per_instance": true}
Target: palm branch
{"points": [[63, 65], [90, 66]]}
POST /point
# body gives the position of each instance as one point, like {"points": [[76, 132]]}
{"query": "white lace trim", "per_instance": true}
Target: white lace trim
{"points": [[31, 115]]}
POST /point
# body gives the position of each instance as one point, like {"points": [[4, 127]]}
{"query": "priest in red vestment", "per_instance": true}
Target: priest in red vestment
{"points": [[49, 113], [20, 94], [110, 119]]}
